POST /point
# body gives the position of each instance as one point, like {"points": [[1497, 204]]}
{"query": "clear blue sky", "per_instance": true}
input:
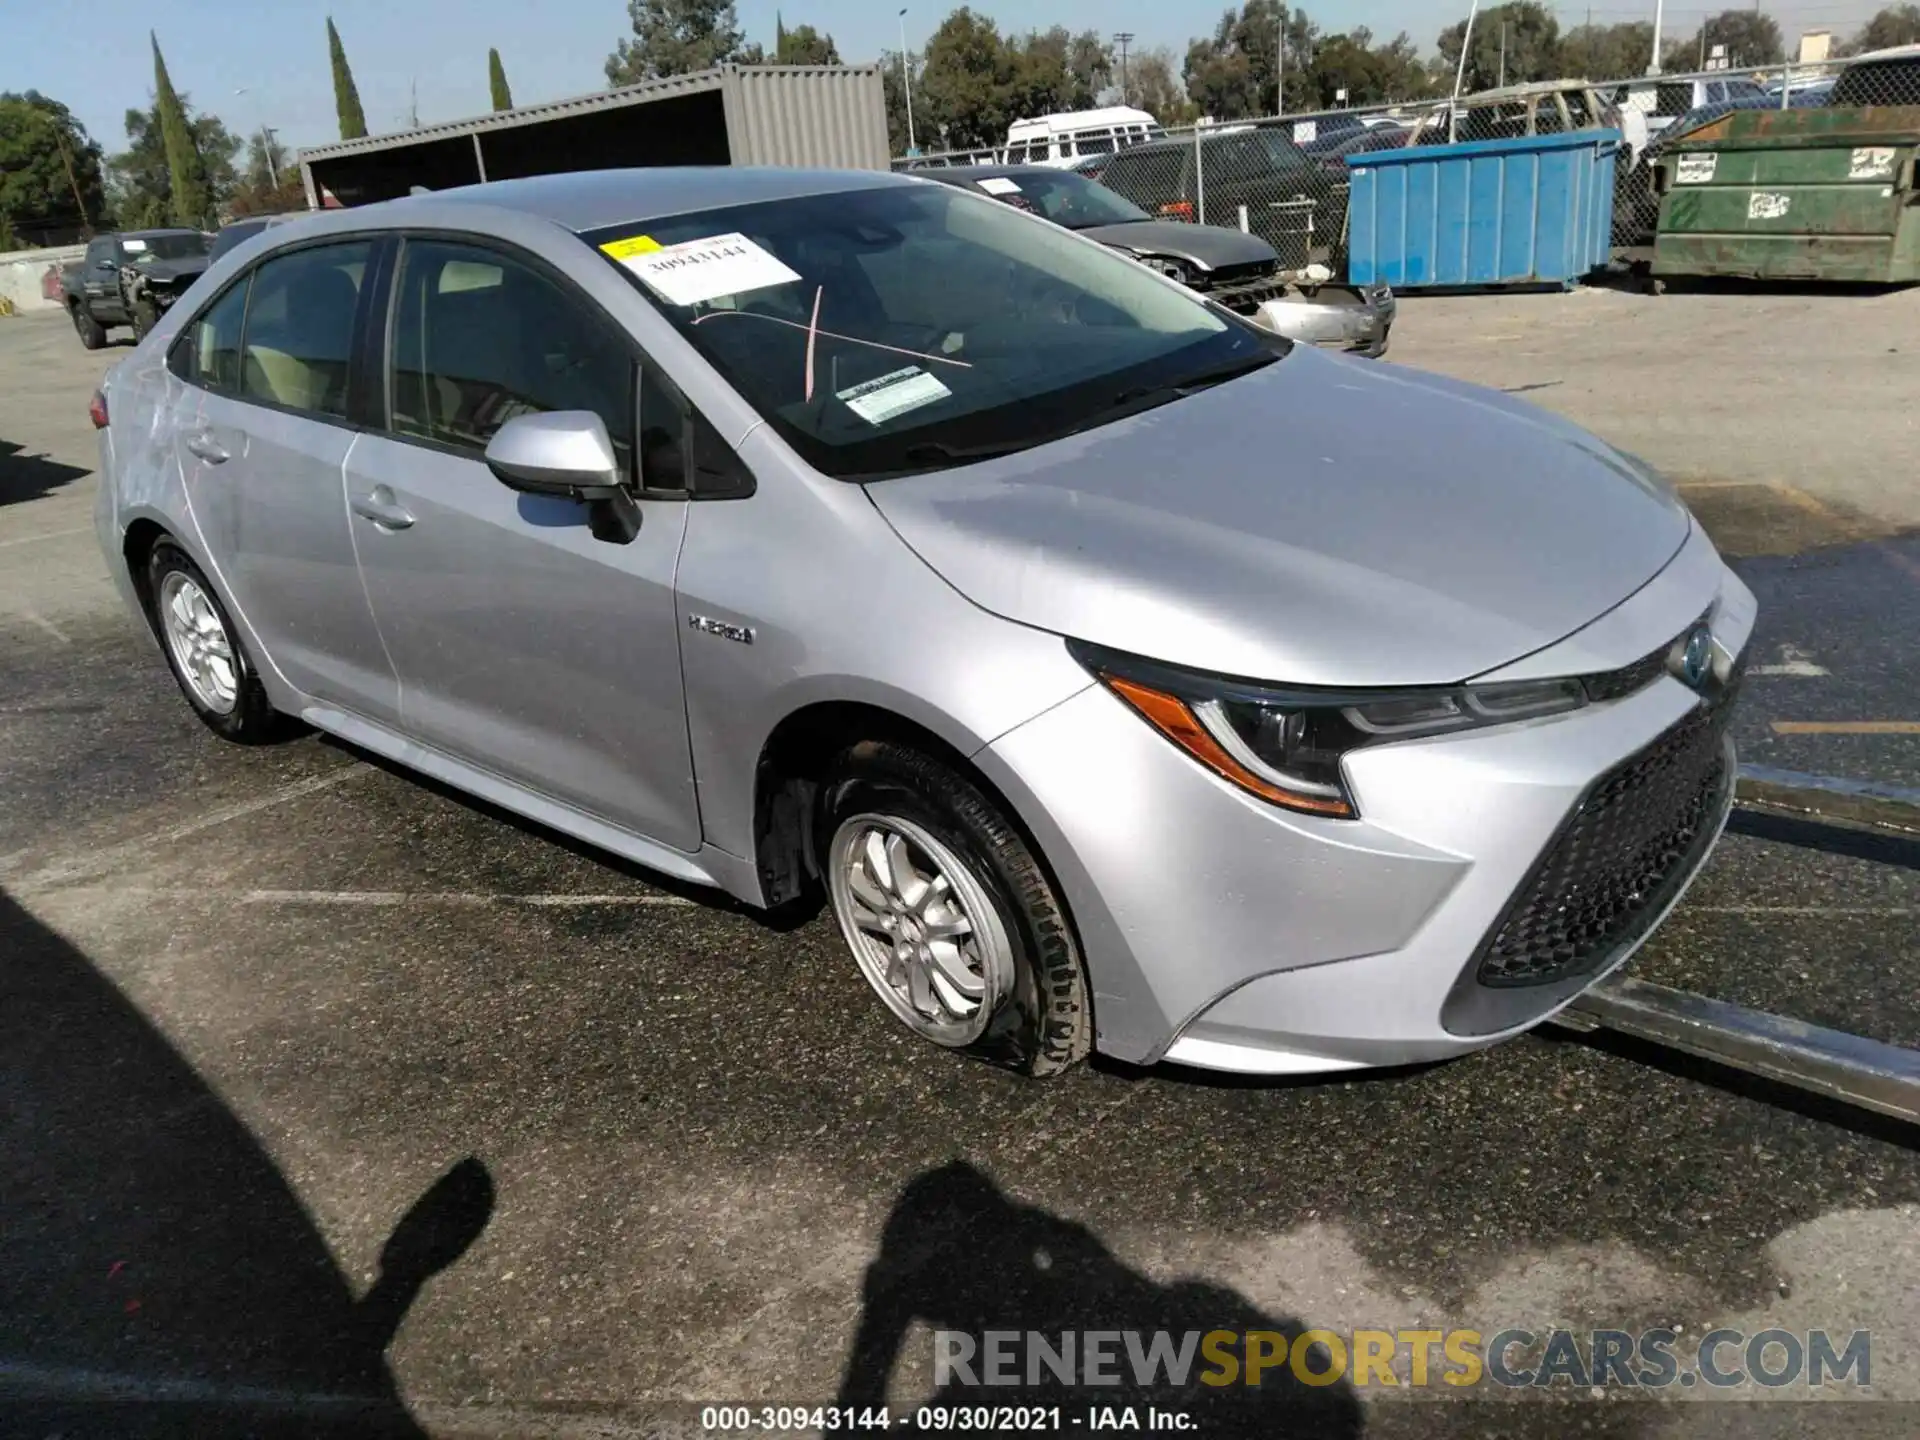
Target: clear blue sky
{"points": [[93, 56]]}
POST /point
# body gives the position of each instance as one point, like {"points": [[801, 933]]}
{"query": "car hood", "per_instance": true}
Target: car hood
{"points": [[1322, 521], [1208, 245]]}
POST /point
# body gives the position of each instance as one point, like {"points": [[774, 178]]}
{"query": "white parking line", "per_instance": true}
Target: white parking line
{"points": [[1894, 910], [1793, 661], [113, 857], [45, 535], [377, 898], [47, 625]]}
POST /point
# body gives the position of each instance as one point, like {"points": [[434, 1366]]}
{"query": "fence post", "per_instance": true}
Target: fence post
{"points": [[1199, 181]]}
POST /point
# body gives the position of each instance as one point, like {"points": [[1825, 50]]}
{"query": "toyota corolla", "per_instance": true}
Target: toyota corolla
{"points": [[1125, 677]]}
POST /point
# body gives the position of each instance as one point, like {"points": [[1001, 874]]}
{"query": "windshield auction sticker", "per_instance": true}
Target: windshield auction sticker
{"points": [[878, 400], [998, 185], [701, 270]]}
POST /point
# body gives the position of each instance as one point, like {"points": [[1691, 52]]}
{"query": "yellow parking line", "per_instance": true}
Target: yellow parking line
{"points": [[1846, 727]]}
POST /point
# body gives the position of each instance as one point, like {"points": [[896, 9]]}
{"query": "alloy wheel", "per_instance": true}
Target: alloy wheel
{"points": [[920, 925], [198, 639]]}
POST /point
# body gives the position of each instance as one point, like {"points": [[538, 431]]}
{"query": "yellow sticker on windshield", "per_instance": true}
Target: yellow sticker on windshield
{"points": [[633, 245]]}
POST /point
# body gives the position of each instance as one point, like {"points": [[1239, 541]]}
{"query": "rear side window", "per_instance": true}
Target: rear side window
{"points": [[300, 327], [208, 354], [480, 337]]}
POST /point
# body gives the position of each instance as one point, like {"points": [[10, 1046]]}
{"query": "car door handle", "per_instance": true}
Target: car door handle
{"points": [[381, 508], [207, 448]]}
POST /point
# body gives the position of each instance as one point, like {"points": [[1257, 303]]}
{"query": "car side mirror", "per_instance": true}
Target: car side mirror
{"points": [[565, 454]]}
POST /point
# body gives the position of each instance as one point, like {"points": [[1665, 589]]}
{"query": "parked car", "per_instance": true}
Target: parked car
{"points": [[130, 278], [1124, 676], [239, 231], [1664, 101], [1882, 77], [1230, 268], [1332, 155], [1282, 191]]}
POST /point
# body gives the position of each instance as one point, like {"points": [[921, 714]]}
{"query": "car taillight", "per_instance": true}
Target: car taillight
{"points": [[1178, 210], [97, 410]]}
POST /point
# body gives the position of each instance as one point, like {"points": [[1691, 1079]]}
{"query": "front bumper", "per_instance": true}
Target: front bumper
{"points": [[1223, 932], [1338, 317]]}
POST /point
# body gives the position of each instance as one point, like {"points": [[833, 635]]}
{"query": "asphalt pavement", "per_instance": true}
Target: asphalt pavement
{"points": [[332, 1102]]}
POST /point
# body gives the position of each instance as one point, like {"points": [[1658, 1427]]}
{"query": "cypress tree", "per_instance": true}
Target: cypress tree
{"points": [[346, 99], [186, 172], [497, 80], [779, 39]]}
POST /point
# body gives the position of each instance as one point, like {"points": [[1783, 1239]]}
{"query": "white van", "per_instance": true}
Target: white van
{"points": [[1059, 140]]}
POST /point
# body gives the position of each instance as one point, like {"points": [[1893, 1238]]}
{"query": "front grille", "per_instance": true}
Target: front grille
{"points": [[1618, 857], [1244, 296], [1615, 684]]}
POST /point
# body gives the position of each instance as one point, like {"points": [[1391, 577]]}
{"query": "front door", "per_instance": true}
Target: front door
{"points": [[524, 645], [264, 466]]}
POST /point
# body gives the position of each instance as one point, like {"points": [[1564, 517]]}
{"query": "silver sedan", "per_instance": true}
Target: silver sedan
{"points": [[1124, 676]]}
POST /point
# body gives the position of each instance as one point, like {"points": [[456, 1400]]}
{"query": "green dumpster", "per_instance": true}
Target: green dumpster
{"points": [[1793, 195]]}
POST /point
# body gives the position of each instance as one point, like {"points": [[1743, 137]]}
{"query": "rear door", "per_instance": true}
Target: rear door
{"points": [[524, 645], [264, 466]]}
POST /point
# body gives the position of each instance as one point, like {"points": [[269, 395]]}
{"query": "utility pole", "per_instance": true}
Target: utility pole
{"points": [[1123, 38], [906, 84], [1280, 61], [1659, 14], [273, 171], [413, 104], [1501, 83], [60, 139]]}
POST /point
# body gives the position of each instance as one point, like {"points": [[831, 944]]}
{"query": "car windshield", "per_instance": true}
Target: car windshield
{"points": [[164, 247], [910, 327], [1063, 197]]}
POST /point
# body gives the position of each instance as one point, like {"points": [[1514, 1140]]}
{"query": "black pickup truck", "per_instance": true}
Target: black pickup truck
{"points": [[130, 278]]}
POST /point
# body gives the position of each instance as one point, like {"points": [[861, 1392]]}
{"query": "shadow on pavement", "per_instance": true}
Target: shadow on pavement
{"points": [[28, 477], [959, 1255], [158, 1276]]}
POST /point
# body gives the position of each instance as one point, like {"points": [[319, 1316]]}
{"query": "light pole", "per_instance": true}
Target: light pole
{"points": [[1659, 14], [266, 136], [906, 84]]}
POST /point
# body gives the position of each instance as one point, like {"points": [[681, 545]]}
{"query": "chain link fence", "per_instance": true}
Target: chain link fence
{"points": [[1285, 178]]}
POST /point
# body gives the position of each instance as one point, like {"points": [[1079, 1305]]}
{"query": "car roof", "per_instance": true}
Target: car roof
{"points": [[156, 232], [585, 200], [986, 172]]}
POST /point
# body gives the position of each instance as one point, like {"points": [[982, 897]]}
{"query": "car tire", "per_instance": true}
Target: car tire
{"points": [[205, 653], [92, 333], [916, 857]]}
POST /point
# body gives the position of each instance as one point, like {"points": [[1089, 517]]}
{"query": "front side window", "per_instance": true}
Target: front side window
{"points": [[480, 337], [910, 326], [300, 327], [208, 354]]}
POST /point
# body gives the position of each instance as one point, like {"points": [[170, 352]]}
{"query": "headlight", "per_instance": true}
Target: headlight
{"points": [[1286, 744]]}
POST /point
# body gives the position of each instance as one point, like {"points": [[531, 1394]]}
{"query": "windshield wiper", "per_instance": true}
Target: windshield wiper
{"points": [[1193, 384]]}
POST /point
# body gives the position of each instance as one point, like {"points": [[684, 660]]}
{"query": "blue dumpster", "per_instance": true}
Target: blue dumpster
{"points": [[1531, 211]]}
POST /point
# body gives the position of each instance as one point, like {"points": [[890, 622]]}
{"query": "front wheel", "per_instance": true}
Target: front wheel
{"points": [[949, 916], [92, 333]]}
